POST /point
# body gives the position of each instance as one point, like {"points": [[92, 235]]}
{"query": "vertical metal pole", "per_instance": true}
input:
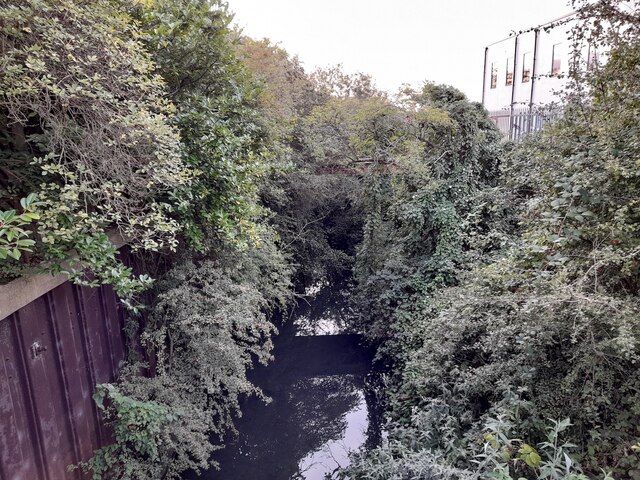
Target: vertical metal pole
{"points": [[484, 75], [513, 87], [533, 72]]}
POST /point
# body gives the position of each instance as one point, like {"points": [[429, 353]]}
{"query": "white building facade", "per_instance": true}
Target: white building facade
{"points": [[526, 71]]}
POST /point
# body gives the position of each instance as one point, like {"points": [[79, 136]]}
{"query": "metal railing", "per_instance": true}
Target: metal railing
{"points": [[517, 122]]}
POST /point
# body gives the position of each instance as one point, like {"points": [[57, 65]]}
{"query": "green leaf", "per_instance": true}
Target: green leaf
{"points": [[529, 455], [564, 424], [15, 253], [25, 243]]}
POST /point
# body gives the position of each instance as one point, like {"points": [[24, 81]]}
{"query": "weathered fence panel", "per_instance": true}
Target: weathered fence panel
{"points": [[54, 351]]}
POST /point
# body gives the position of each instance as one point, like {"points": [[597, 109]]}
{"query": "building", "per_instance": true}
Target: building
{"points": [[524, 72]]}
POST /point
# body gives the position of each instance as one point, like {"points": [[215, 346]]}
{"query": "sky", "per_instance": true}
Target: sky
{"points": [[397, 42]]}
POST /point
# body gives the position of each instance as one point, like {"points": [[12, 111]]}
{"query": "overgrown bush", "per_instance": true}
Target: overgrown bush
{"points": [[209, 324], [549, 310], [86, 125], [224, 139]]}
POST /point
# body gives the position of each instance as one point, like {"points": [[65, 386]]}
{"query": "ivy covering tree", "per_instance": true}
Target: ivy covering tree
{"points": [[528, 313]]}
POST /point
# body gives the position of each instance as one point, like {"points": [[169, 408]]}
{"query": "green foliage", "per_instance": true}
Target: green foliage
{"points": [[85, 109], [355, 132], [137, 119], [423, 214], [86, 127], [533, 289], [496, 454], [333, 82], [207, 327], [222, 138], [90, 110], [287, 93], [504, 457], [137, 431], [318, 223], [313, 199], [13, 238]]}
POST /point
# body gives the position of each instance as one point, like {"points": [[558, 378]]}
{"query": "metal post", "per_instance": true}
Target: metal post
{"points": [[484, 74], [513, 86], [533, 72]]}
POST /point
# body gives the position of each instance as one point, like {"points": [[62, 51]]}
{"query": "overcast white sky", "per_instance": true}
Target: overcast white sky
{"points": [[400, 41]]}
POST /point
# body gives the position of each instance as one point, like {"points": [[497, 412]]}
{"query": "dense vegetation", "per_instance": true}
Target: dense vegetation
{"points": [[137, 120], [509, 309], [499, 282]]}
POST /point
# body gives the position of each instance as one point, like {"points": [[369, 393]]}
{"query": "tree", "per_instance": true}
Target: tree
{"points": [[223, 139]]}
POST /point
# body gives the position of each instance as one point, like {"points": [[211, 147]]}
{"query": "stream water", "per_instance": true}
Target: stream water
{"points": [[320, 408]]}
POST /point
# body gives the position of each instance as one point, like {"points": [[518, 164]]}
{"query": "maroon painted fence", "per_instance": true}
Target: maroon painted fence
{"points": [[54, 351]]}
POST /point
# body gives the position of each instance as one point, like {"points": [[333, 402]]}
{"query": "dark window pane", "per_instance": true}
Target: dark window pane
{"points": [[509, 75], [526, 67], [494, 75], [556, 64]]}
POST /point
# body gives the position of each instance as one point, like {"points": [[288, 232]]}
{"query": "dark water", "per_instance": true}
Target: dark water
{"points": [[319, 408]]}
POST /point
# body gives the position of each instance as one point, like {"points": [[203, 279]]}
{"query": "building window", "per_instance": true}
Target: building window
{"points": [[592, 58], [508, 79], [494, 75], [527, 66], [556, 60]]}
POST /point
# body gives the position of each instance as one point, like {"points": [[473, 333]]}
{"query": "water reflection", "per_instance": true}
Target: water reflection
{"points": [[295, 436], [319, 402], [334, 454], [326, 312], [273, 440]]}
